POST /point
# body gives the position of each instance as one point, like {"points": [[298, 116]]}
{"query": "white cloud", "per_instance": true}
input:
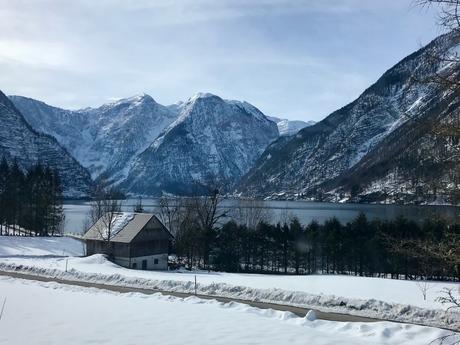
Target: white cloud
{"points": [[290, 58], [47, 55]]}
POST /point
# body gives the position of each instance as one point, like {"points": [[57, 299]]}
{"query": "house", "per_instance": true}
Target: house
{"points": [[133, 240]]}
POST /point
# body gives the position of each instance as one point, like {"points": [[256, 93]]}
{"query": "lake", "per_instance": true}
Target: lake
{"points": [[306, 211]]}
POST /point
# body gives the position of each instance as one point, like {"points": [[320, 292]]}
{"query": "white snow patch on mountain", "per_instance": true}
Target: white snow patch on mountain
{"points": [[290, 127]]}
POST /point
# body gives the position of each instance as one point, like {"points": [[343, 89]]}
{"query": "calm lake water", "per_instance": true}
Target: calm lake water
{"points": [[305, 211]]}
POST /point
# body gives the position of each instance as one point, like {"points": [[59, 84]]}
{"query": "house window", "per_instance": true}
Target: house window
{"points": [[134, 265], [155, 261]]}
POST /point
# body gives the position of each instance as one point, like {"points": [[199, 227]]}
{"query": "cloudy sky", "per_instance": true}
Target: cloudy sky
{"points": [[294, 59]]}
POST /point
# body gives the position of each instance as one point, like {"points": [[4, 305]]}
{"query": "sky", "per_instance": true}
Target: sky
{"points": [[299, 60]]}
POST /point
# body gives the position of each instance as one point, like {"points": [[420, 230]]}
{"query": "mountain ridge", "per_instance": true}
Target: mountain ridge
{"points": [[108, 139], [300, 167]]}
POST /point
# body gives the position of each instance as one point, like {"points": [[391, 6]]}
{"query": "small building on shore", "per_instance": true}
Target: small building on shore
{"points": [[132, 240]]}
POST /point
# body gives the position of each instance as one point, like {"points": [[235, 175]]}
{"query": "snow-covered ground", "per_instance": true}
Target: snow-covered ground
{"points": [[40, 246], [50, 313], [374, 297]]}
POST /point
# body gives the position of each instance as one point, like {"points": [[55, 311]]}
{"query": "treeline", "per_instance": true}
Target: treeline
{"points": [[31, 201], [400, 249]]}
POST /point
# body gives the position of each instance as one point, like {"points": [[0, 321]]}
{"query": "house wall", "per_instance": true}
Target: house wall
{"points": [[152, 240], [111, 248], [94, 247], [151, 247], [153, 262]]}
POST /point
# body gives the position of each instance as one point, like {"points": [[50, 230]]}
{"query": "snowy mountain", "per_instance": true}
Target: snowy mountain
{"points": [[19, 141], [396, 116], [211, 140], [146, 147], [290, 127], [105, 140]]}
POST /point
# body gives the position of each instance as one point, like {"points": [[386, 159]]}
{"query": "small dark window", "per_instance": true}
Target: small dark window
{"points": [[144, 264], [134, 265], [155, 261]]}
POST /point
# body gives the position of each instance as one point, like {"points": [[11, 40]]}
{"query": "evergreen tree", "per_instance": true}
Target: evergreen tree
{"points": [[31, 203]]}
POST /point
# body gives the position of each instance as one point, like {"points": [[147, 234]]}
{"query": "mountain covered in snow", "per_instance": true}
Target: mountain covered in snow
{"points": [[20, 142], [290, 127], [385, 146], [146, 148], [106, 139], [212, 141]]}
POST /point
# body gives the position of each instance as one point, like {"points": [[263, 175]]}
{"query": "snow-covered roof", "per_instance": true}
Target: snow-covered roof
{"points": [[124, 227]]}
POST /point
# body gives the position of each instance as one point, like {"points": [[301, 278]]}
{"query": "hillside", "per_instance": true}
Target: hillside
{"points": [[396, 115], [20, 142]]}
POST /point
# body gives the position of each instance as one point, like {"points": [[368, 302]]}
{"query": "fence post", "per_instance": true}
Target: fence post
{"points": [[3, 308]]}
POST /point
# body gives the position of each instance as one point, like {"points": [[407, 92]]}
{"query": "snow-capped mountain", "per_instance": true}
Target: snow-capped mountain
{"points": [[20, 142], [349, 142], [105, 140], [211, 140], [145, 147], [290, 127]]}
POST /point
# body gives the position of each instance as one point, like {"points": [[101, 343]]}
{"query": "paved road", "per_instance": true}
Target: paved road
{"points": [[262, 305]]}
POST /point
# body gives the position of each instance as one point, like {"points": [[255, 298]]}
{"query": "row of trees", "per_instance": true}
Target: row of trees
{"points": [[31, 201], [396, 249], [244, 239]]}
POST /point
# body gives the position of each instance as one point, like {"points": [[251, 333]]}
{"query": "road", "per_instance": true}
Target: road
{"points": [[262, 305]]}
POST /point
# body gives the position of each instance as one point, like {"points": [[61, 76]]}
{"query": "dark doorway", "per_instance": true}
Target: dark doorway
{"points": [[144, 264]]}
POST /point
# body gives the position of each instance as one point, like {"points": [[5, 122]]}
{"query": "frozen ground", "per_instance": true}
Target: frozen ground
{"points": [[76, 315], [40, 246], [373, 297]]}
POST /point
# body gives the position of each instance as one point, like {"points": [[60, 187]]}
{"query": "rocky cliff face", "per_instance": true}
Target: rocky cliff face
{"points": [[340, 145], [20, 142], [212, 141]]}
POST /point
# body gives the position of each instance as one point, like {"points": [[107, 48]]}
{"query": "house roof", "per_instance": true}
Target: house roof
{"points": [[124, 229]]}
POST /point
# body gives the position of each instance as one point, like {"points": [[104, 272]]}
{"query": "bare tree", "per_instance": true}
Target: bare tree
{"points": [[208, 212], [423, 285], [139, 207], [448, 20], [111, 209], [172, 211], [104, 209], [250, 212], [450, 297], [285, 216]]}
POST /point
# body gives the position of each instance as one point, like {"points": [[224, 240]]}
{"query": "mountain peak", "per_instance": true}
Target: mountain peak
{"points": [[203, 95], [134, 100]]}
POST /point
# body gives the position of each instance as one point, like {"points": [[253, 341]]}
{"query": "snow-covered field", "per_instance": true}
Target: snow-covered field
{"points": [[40, 246], [374, 297], [50, 313]]}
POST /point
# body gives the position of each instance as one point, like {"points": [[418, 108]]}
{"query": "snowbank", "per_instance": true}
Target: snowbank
{"points": [[293, 290], [40, 246], [76, 315]]}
